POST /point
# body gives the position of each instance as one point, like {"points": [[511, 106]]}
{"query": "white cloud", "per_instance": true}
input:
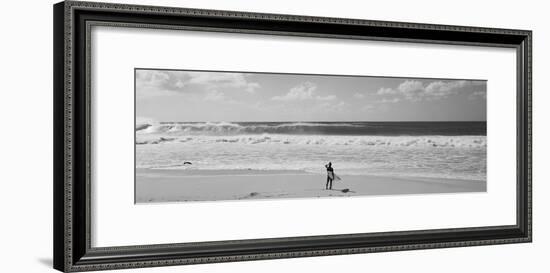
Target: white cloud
{"points": [[151, 78], [214, 95], [443, 89], [392, 100], [367, 108], [415, 90], [359, 96], [340, 106], [386, 91], [302, 92], [325, 98], [151, 83], [332, 106], [179, 84], [252, 86], [161, 82], [478, 95], [410, 87], [220, 79]]}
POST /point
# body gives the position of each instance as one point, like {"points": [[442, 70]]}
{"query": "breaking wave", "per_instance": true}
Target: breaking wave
{"points": [[428, 149], [314, 128], [266, 139]]}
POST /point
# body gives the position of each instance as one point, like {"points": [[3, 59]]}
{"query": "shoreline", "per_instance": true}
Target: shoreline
{"points": [[215, 172], [170, 185]]}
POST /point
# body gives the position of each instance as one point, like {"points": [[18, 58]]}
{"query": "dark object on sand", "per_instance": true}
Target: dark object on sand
{"points": [[187, 163], [345, 190]]}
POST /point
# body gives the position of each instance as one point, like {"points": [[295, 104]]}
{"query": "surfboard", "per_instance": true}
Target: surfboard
{"points": [[332, 176]]}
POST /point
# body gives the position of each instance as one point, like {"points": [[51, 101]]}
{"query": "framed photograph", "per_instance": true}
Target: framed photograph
{"points": [[185, 136]]}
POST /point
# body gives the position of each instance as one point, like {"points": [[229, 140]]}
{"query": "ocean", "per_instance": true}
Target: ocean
{"points": [[417, 149]]}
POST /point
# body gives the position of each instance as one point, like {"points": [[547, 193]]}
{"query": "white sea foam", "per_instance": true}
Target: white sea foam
{"points": [[451, 157], [308, 146], [276, 139]]}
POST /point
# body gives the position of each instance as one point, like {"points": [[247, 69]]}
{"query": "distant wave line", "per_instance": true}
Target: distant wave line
{"points": [[266, 139], [314, 128]]}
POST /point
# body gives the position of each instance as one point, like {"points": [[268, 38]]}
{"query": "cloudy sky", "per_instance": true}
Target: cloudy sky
{"points": [[167, 95]]}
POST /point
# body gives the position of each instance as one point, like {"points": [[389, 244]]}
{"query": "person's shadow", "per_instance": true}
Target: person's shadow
{"points": [[342, 190]]}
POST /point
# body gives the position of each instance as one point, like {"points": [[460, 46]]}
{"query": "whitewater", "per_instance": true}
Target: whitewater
{"points": [[421, 149]]}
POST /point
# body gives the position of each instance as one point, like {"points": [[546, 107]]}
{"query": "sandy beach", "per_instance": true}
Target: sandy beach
{"points": [[156, 185]]}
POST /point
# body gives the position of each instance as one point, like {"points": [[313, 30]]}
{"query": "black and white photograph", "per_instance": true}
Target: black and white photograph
{"points": [[213, 135], [224, 135]]}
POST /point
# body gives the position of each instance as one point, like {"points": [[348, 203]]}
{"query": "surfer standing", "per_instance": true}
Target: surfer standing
{"points": [[330, 176]]}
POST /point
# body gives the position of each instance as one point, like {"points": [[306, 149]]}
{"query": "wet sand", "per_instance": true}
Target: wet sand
{"points": [[154, 186]]}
